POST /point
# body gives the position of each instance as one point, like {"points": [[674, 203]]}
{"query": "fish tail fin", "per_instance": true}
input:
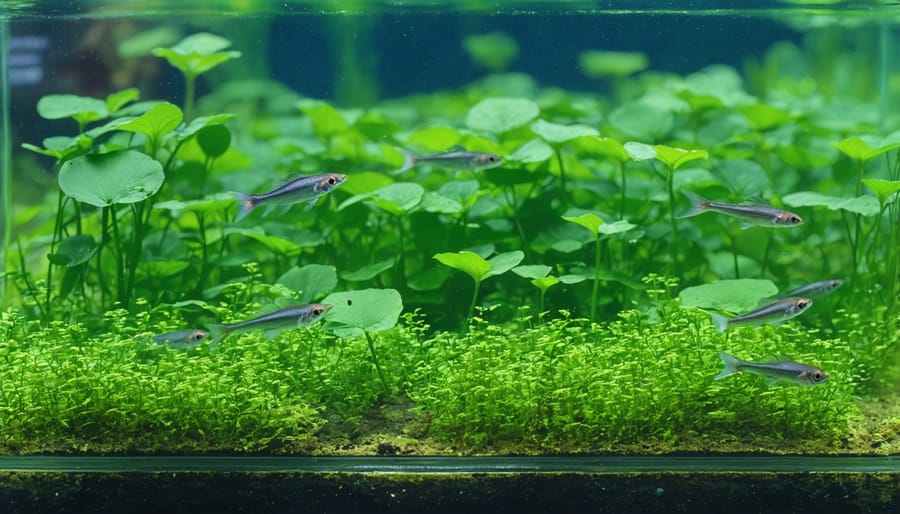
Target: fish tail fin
{"points": [[409, 160], [699, 204], [721, 322], [732, 365], [246, 203], [217, 332]]}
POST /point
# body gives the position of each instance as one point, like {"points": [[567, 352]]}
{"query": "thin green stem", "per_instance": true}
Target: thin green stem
{"points": [[472, 306], [562, 174], [120, 261], [371, 343], [622, 208], [204, 249], [673, 248], [596, 288], [57, 231]]}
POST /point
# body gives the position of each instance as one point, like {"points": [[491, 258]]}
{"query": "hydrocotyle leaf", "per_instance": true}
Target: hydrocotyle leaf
{"points": [[468, 262], [369, 310], [503, 262], [675, 157], [499, 115], [604, 63], [120, 177], [157, 122], [54, 107], [532, 151], [312, 280], [883, 189], [867, 205], [368, 272], [556, 133], [588, 220], [734, 296], [532, 271], [860, 149]]}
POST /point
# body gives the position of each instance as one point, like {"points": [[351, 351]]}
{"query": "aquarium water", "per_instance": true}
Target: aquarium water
{"points": [[262, 229]]}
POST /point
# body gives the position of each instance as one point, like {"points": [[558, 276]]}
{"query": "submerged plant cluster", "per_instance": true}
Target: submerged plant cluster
{"points": [[580, 329]]}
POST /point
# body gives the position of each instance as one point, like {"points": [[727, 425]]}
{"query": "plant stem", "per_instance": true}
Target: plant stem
{"points": [[596, 289], [57, 231], [120, 263], [375, 360], [472, 306], [104, 238], [622, 171], [204, 270], [562, 174], [670, 185]]}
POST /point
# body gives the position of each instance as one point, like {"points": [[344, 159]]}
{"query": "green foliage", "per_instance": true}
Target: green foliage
{"points": [[114, 178], [142, 241], [499, 115], [572, 387], [493, 51], [598, 63], [738, 296]]}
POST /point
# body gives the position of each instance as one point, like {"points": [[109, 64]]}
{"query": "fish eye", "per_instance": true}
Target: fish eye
{"points": [[803, 302], [795, 219], [818, 376], [199, 336], [331, 180], [492, 158], [316, 311]]}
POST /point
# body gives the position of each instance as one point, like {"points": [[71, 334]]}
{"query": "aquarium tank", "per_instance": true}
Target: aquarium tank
{"points": [[412, 247]]}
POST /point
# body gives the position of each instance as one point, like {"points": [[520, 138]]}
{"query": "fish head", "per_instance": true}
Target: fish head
{"points": [[195, 336], [813, 376], [484, 161], [329, 181], [787, 219], [831, 285], [314, 312], [798, 305]]}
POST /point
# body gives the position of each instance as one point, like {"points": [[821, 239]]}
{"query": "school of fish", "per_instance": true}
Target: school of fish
{"points": [[310, 188]]}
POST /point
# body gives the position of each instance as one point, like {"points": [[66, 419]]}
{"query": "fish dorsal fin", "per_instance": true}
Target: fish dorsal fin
{"points": [[453, 149]]}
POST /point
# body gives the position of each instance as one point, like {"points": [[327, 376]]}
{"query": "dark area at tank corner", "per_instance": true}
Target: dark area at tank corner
{"points": [[197, 493]]}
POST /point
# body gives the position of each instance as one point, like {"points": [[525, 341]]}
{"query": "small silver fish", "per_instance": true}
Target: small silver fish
{"points": [[306, 187], [749, 214], [271, 323], [814, 289], [776, 312], [785, 371], [182, 339], [457, 158]]}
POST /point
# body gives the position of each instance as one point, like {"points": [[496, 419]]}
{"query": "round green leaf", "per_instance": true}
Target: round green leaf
{"points": [[313, 280], [214, 140], [368, 272], [867, 205], [588, 220], [74, 251], [503, 262], [470, 263], [54, 107], [642, 120], [532, 271], [545, 283], [435, 138], [883, 189], [863, 148], [615, 227], [599, 64], [745, 178], [494, 51], [121, 177], [532, 151], [735, 296], [369, 310], [639, 151], [157, 122], [499, 115], [675, 157], [556, 133]]}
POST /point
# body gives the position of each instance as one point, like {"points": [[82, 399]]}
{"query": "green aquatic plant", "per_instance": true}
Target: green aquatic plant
{"points": [[479, 269], [365, 312], [194, 56], [540, 278], [494, 50]]}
